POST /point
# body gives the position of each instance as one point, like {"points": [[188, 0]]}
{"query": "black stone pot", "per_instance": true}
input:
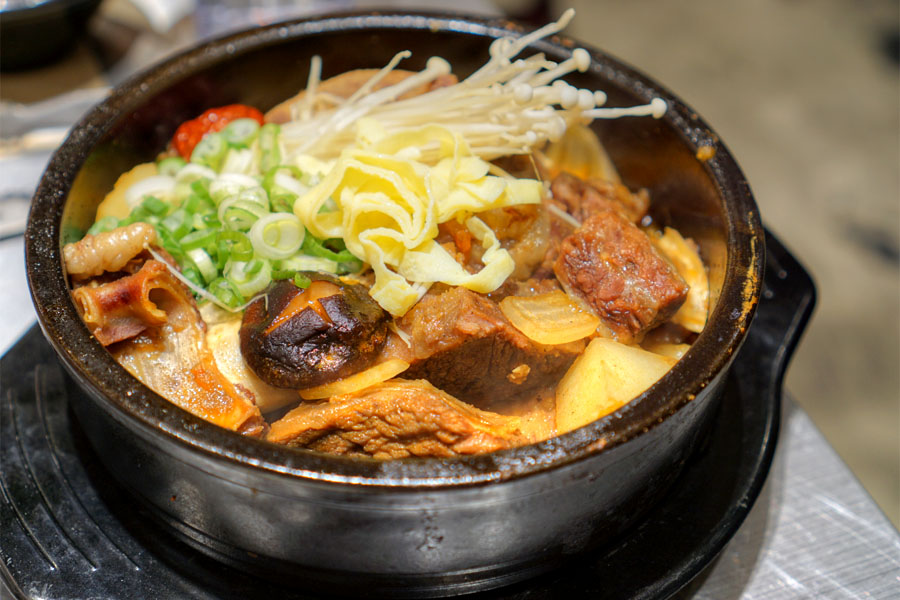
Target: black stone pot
{"points": [[408, 527]]}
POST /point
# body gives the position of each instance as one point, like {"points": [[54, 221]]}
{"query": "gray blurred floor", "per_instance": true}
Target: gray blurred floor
{"points": [[806, 97]]}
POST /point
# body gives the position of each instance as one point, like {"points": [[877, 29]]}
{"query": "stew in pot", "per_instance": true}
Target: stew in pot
{"points": [[394, 263]]}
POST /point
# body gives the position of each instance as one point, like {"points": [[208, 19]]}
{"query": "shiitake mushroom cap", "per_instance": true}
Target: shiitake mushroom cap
{"points": [[316, 345]]}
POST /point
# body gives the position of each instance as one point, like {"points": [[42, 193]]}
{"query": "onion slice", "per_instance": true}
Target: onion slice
{"points": [[551, 318], [358, 381], [684, 257]]}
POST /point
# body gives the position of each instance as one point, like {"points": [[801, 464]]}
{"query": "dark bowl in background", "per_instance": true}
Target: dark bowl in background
{"points": [[410, 527], [37, 32]]}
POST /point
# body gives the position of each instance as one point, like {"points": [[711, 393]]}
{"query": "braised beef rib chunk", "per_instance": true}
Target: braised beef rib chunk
{"points": [[614, 268], [462, 343], [396, 419], [582, 199]]}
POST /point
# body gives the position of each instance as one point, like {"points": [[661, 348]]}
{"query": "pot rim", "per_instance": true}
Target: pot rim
{"points": [[151, 415]]}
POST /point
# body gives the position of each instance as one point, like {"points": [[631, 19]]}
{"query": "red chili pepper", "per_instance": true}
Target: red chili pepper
{"points": [[191, 132]]}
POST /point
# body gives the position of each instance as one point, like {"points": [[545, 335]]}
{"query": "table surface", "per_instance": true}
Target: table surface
{"points": [[813, 532]]}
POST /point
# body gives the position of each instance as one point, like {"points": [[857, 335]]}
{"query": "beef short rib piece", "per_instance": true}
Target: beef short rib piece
{"points": [[396, 419], [581, 199], [463, 344], [613, 266]]}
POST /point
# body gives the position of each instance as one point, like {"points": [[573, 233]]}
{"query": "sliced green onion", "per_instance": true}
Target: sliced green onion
{"points": [[240, 161], [226, 292], [292, 173], [316, 247], [289, 182], [192, 273], [277, 236], [204, 264], [198, 204], [240, 132], [230, 184], [270, 153], [160, 186], [283, 203], [200, 187], [179, 223], [168, 243], [299, 279], [181, 192], [170, 166], [210, 151], [199, 290], [257, 195], [71, 233], [346, 262], [283, 186], [240, 215], [103, 225], [233, 245], [254, 266], [155, 206], [349, 266], [250, 277], [192, 173], [302, 262], [139, 213], [205, 238], [207, 221], [231, 233]]}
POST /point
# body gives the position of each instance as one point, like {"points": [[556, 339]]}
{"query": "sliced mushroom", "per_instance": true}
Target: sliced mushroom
{"points": [[295, 338]]}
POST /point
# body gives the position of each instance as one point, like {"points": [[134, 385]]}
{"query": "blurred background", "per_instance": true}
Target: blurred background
{"points": [[805, 94]]}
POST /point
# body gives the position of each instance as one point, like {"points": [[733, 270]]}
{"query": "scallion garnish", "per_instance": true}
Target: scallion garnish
{"points": [[230, 233]]}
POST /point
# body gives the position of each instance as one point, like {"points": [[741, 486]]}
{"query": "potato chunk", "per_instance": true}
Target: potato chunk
{"points": [[607, 376], [115, 204]]}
